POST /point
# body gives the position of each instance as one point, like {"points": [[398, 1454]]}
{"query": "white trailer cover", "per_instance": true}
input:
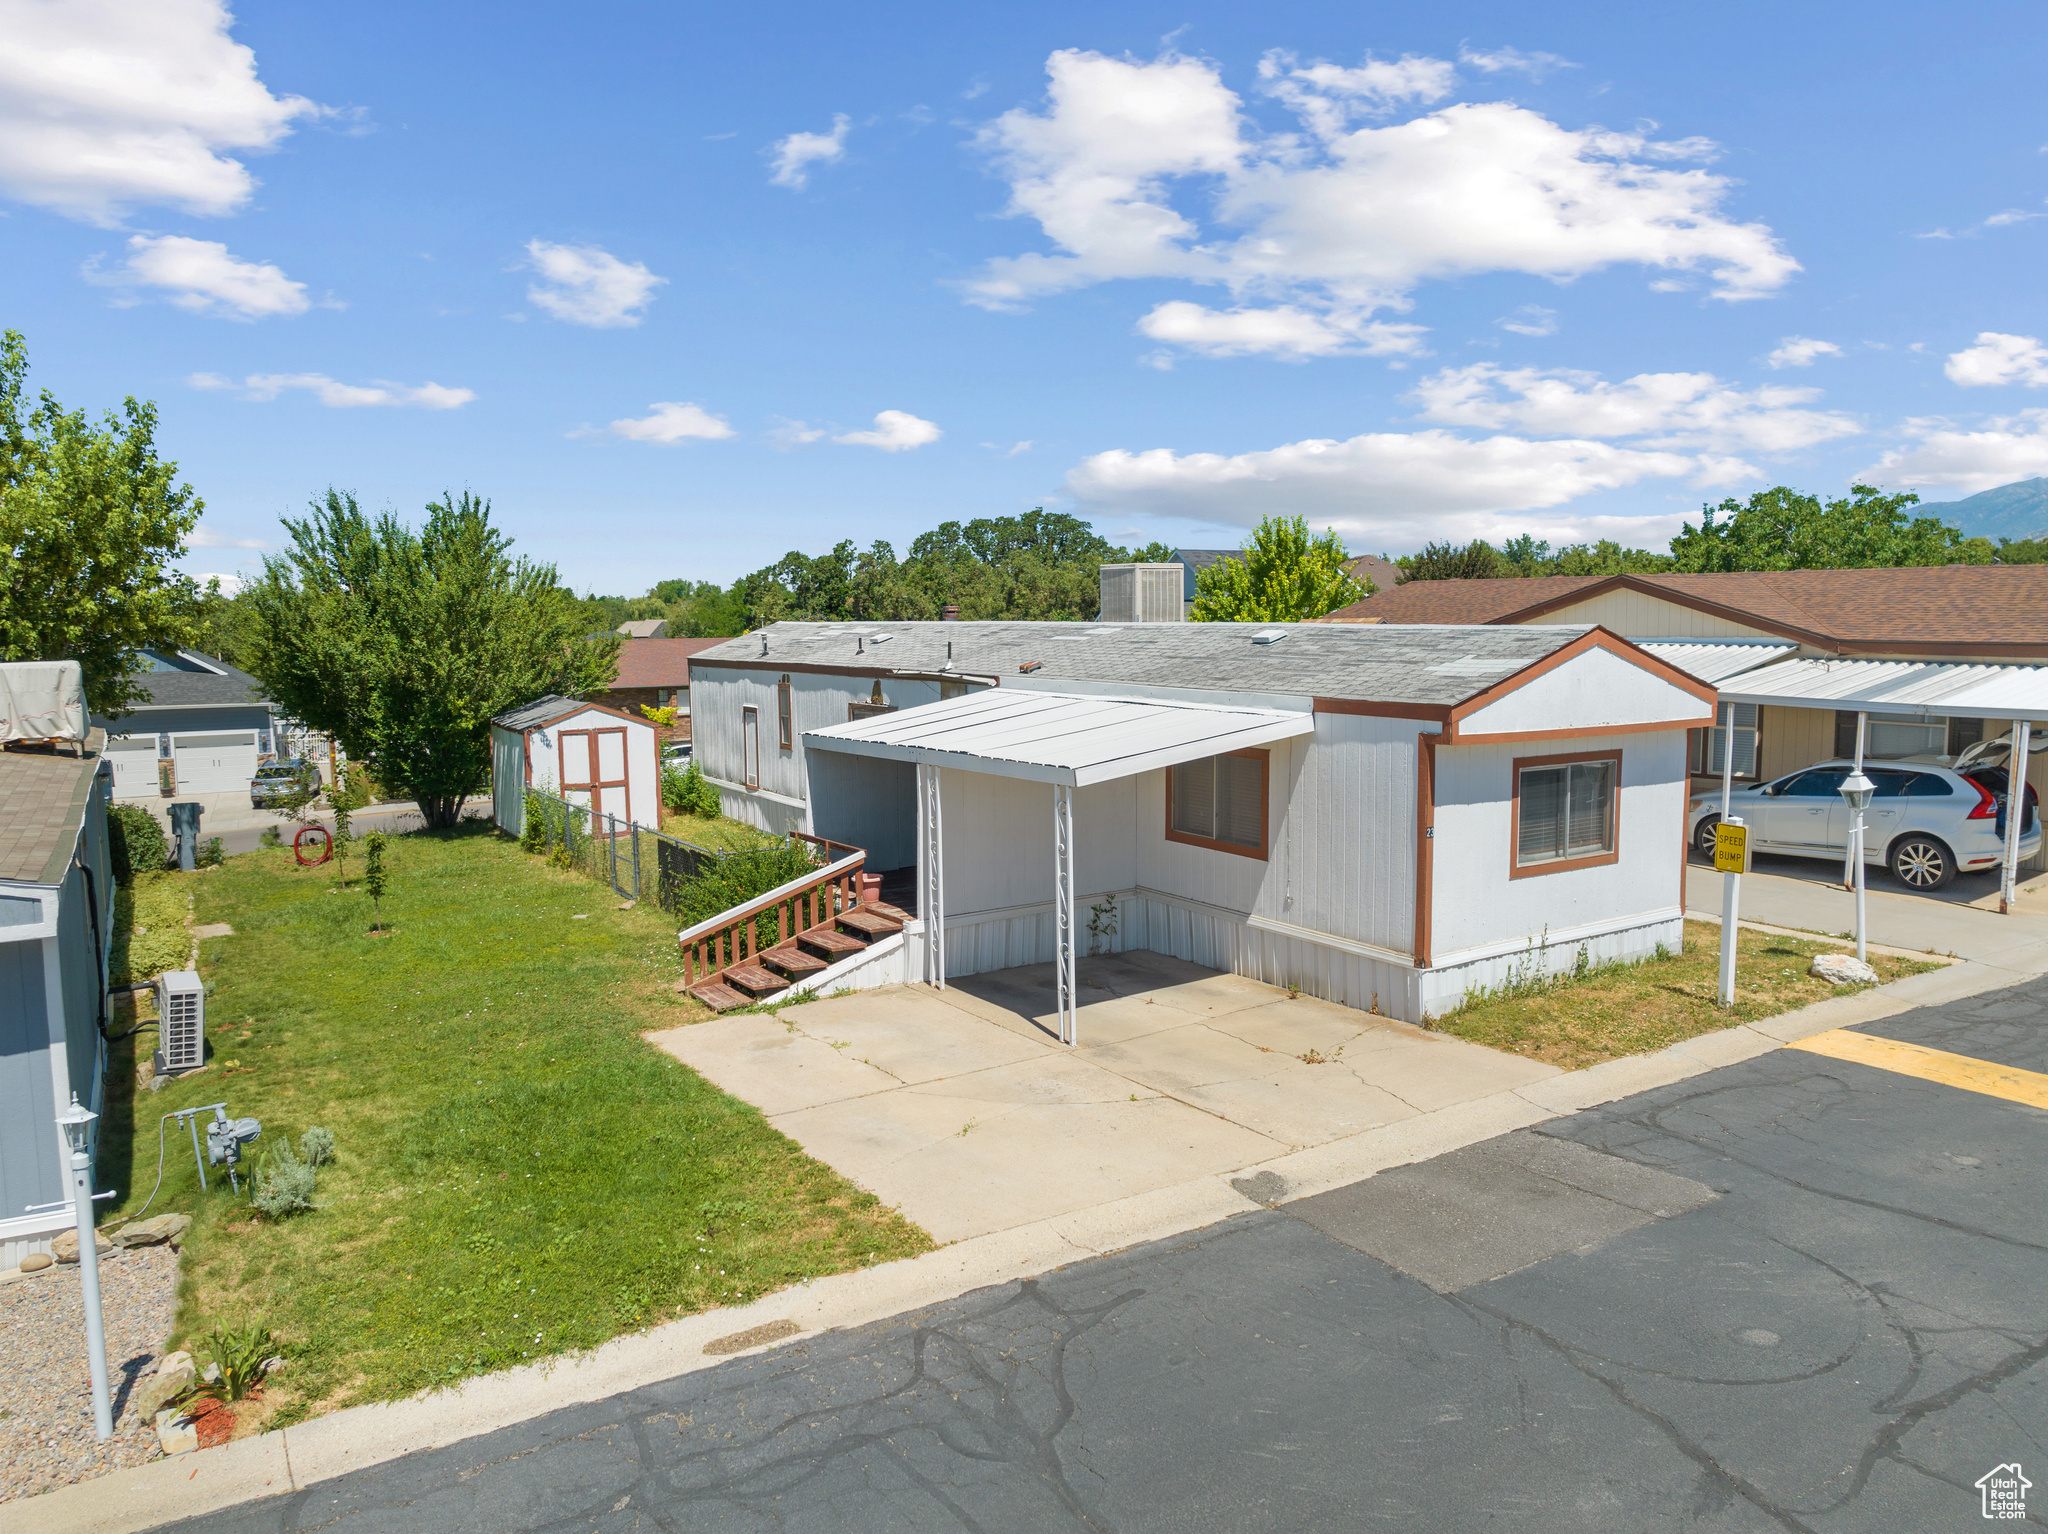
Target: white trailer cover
{"points": [[42, 700]]}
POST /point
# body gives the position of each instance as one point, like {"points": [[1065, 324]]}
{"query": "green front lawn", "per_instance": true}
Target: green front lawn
{"points": [[718, 833], [519, 1173]]}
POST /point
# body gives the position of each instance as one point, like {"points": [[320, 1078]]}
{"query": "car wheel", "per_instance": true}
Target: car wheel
{"points": [[1703, 836], [1922, 863]]}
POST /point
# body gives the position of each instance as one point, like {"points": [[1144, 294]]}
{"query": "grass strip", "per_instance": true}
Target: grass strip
{"points": [[519, 1174], [1632, 1009]]}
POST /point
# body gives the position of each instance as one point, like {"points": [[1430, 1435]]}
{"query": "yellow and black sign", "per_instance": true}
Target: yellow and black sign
{"points": [[1731, 848]]}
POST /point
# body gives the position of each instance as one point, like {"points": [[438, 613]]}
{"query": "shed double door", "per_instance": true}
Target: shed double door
{"points": [[594, 773]]}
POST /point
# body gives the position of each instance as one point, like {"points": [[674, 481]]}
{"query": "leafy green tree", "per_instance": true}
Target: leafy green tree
{"points": [[1529, 555], [1780, 529], [403, 644], [2023, 551], [90, 520], [1285, 574], [1477, 560]]}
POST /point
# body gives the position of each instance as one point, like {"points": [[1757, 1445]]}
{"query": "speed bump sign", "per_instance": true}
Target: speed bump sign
{"points": [[1731, 848]]}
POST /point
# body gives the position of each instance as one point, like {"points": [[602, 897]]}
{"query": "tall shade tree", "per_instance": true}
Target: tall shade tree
{"points": [[1284, 574], [90, 520], [1780, 529], [403, 644]]}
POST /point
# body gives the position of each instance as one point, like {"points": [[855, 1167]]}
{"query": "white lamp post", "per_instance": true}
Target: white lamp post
{"points": [[1856, 792], [74, 1120]]}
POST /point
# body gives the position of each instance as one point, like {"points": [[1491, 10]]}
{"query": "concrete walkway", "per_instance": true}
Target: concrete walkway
{"points": [[960, 1107]]}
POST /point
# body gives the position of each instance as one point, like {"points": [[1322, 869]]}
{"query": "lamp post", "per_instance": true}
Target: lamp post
{"points": [[1856, 791], [74, 1121]]}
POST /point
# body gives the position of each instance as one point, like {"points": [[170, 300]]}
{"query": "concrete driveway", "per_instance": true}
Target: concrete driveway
{"points": [[961, 1108]]}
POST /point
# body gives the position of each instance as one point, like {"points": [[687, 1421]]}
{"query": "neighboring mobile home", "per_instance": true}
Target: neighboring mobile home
{"points": [[1383, 817], [56, 920], [1723, 626]]}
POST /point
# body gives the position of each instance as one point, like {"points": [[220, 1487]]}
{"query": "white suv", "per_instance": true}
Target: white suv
{"points": [[1928, 821]]}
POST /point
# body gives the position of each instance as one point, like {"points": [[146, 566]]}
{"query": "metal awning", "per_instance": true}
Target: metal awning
{"points": [[1929, 689], [1713, 659], [1059, 738]]}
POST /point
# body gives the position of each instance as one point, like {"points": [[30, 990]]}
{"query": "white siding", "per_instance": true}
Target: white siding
{"points": [[1594, 689], [643, 759], [1477, 908]]}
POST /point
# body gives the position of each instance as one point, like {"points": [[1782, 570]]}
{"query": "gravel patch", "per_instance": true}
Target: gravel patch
{"points": [[46, 1411]]}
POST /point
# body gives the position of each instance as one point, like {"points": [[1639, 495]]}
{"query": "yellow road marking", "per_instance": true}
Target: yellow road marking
{"points": [[1963, 1071]]}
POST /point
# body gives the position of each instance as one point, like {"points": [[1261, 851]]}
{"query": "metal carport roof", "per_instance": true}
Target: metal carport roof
{"points": [[1927, 688], [1054, 737], [1712, 660]]}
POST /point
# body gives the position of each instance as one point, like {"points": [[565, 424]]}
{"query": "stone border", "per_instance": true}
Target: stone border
{"points": [[293, 1459]]}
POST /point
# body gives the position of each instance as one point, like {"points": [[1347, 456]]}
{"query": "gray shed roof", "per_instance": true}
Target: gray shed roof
{"points": [[1404, 663], [531, 716]]}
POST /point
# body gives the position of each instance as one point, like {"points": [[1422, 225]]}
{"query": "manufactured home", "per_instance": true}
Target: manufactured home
{"points": [[1384, 817]]}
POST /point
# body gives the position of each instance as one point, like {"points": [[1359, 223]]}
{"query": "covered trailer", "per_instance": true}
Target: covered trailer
{"points": [[582, 752]]}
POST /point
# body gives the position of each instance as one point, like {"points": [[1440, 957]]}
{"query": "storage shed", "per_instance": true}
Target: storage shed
{"points": [[583, 752]]}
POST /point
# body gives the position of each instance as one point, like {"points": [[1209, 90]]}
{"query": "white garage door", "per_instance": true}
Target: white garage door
{"points": [[134, 759], [215, 764]]}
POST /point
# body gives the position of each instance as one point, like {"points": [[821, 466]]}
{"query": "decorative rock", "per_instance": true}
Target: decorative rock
{"points": [[212, 1373], [273, 1363], [162, 1388], [35, 1262], [1842, 969], [172, 1362], [65, 1247], [176, 1434], [165, 1227]]}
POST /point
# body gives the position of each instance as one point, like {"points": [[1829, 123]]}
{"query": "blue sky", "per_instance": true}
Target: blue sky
{"points": [[682, 288]]}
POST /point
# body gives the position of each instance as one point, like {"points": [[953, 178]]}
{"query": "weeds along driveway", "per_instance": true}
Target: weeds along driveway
{"points": [[518, 1173], [959, 1108]]}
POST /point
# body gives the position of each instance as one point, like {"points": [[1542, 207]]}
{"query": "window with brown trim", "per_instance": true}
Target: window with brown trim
{"points": [[1219, 802], [783, 723], [750, 745], [1565, 813]]}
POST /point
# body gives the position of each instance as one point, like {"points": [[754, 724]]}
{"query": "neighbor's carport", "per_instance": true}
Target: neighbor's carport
{"points": [[1923, 689], [1067, 741]]}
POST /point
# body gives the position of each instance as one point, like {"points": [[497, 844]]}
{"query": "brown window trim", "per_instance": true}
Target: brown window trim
{"points": [[785, 714], [1260, 852], [1519, 870], [750, 766]]}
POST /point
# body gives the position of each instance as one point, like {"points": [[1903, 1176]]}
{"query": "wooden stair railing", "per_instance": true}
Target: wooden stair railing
{"points": [[808, 904]]}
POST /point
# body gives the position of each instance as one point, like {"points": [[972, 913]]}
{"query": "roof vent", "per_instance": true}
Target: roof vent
{"points": [[1030, 666], [1269, 636], [880, 638]]}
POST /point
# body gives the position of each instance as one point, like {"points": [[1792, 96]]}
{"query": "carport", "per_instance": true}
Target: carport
{"points": [[1917, 689], [1064, 740]]}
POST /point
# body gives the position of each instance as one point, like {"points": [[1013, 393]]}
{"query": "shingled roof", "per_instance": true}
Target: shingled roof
{"points": [[658, 662], [1988, 610], [1407, 664], [46, 793]]}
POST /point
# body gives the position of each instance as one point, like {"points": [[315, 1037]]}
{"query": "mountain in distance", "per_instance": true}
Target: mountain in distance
{"points": [[2010, 511]]}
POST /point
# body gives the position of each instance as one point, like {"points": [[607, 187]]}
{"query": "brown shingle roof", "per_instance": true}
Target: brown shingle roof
{"points": [[658, 662], [45, 793], [1950, 609]]}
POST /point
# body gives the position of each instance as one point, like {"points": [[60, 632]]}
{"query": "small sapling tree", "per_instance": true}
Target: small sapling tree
{"points": [[376, 879]]}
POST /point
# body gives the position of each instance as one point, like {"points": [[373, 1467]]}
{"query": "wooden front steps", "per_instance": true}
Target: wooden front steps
{"points": [[807, 954]]}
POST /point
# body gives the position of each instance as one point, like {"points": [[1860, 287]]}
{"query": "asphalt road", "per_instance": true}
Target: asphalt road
{"points": [[397, 817], [1796, 1293]]}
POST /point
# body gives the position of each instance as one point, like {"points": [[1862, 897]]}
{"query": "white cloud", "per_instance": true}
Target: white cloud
{"points": [[1129, 158], [1494, 61], [229, 584], [204, 537], [1939, 454], [1999, 359], [1384, 488], [2011, 216], [895, 432], [1281, 331], [795, 433], [1685, 411], [1801, 351], [668, 422], [201, 277], [1531, 320], [339, 396], [796, 154], [111, 104], [589, 286]]}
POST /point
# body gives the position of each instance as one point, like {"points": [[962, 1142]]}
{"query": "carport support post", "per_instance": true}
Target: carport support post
{"points": [[1856, 842], [2015, 812], [1731, 883], [1063, 909], [931, 894]]}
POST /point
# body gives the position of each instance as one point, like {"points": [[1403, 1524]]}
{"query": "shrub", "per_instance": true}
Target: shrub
{"points": [[212, 855], [316, 1146], [739, 878], [136, 840], [238, 1354], [533, 835], [697, 794], [283, 1184]]}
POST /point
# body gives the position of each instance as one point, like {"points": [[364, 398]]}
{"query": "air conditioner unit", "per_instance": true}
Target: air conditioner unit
{"points": [[1142, 594], [181, 1021]]}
